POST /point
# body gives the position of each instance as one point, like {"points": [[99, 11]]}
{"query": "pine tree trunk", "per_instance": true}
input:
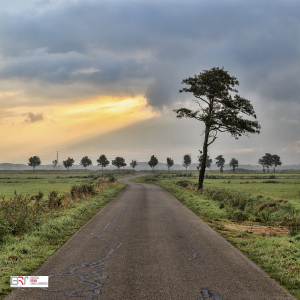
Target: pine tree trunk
{"points": [[204, 157]]}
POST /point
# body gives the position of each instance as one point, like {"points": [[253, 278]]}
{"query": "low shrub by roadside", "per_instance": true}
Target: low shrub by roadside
{"points": [[242, 207], [21, 213], [78, 191]]}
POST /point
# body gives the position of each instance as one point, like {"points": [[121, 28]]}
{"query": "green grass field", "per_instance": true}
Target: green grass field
{"points": [[258, 214], [283, 186], [33, 183]]}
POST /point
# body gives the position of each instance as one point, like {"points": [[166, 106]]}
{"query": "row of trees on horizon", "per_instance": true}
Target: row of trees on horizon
{"points": [[85, 162], [266, 161]]}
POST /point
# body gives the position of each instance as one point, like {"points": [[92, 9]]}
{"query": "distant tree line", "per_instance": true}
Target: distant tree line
{"points": [[85, 162], [266, 161]]}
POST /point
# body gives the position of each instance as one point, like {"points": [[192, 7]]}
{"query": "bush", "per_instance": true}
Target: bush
{"points": [[150, 179], [79, 191], [239, 216], [54, 201], [265, 216], [294, 231], [18, 214], [111, 179], [271, 181], [242, 204], [212, 176], [38, 197], [183, 183]]}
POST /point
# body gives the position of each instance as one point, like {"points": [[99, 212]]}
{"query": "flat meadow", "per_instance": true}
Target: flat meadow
{"points": [[258, 213], [28, 183], [279, 186]]}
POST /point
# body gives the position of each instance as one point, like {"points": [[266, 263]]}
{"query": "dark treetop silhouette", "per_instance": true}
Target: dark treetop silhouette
{"points": [[234, 163], [269, 160], [218, 109], [133, 164], [186, 161], [85, 162], [220, 162], [34, 161], [118, 162], [68, 163], [103, 161], [54, 163], [153, 162], [170, 163], [276, 161]]}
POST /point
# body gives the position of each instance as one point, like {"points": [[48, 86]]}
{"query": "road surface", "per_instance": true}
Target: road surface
{"points": [[143, 245]]}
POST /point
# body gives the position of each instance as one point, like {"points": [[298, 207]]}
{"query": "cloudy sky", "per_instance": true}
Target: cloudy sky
{"points": [[87, 77]]}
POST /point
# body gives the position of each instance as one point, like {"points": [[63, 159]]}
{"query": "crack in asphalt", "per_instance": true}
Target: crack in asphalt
{"points": [[167, 209], [193, 256], [91, 278], [209, 294]]}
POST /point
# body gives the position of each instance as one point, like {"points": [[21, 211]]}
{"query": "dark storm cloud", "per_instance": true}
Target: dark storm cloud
{"points": [[150, 46], [117, 26], [71, 67], [32, 118]]}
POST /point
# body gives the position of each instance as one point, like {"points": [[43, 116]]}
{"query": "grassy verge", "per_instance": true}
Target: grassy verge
{"points": [[23, 252], [223, 208]]}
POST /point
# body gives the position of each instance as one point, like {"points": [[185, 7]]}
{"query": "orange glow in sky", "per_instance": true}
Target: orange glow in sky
{"points": [[67, 124]]}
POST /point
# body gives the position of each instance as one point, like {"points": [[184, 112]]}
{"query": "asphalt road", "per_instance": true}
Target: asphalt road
{"points": [[146, 245]]}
